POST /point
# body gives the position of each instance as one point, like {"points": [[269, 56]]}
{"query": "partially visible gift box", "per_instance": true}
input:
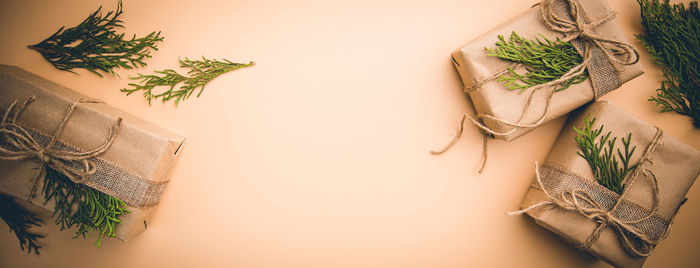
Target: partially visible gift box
{"points": [[622, 229], [131, 158], [591, 26]]}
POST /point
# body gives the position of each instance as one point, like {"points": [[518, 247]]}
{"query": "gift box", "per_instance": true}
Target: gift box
{"points": [[592, 29], [93, 143], [624, 228]]}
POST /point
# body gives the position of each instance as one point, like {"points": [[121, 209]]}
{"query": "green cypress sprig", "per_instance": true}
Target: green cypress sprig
{"points": [[545, 60], [672, 37], [93, 212], [201, 72], [20, 221], [597, 148], [95, 45]]}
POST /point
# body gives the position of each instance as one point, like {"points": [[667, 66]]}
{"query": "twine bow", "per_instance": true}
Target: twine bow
{"points": [[635, 242], [18, 144], [581, 29], [578, 29]]}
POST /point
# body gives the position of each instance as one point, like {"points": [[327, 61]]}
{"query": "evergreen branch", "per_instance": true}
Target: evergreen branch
{"points": [[20, 221], [96, 46], [672, 37], [606, 168], [200, 73], [92, 211], [545, 60]]}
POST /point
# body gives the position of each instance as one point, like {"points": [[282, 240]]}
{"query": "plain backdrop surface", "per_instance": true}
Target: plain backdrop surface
{"points": [[318, 156]]}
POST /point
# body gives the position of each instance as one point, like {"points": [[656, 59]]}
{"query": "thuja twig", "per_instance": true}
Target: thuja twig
{"points": [[201, 72], [545, 60], [96, 46], [92, 211], [672, 37], [20, 221], [598, 149]]}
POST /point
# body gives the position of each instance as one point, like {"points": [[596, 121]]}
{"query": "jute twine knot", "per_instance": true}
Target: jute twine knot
{"points": [[618, 54], [584, 30], [18, 144], [43, 157], [635, 242]]}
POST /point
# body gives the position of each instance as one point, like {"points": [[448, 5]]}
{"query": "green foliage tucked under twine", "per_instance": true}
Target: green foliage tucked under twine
{"points": [[94, 212], [605, 166], [201, 72], [96, 46], [544, 59], [673, 39], [20, 221]]}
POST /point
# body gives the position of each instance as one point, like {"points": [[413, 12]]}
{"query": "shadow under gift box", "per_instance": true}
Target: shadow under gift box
{"points": [[673, 163], [141, 152], [494, 98]]}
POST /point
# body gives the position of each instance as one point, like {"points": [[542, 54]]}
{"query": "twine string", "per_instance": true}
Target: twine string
{"points": [[20, 145]]}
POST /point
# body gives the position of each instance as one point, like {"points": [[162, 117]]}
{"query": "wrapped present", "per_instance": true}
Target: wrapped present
{"points": [[620, 225], [49, 128], [590, 26]]}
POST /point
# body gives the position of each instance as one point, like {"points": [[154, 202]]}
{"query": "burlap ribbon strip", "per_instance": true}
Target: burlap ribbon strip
{"points": [[19, 143], [603, 59], [638, 228]]}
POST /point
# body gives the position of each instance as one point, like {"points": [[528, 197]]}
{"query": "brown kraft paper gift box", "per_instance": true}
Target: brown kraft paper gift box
{"points": [[603, 230], [492, 99], [133, 168]]}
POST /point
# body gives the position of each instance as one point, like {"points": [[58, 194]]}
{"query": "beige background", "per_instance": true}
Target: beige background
{"points": [[318, 156]]}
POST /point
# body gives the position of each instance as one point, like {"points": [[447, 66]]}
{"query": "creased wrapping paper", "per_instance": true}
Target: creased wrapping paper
{"points": [[495, 99], [135, 166], [673, 163]]}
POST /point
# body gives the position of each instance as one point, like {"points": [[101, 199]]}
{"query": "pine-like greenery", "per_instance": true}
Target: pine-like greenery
{"points": [[201, 72], [672, 37], [598, 149], [20, 221], [95, 45], [93, 212], [544, 59]]}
